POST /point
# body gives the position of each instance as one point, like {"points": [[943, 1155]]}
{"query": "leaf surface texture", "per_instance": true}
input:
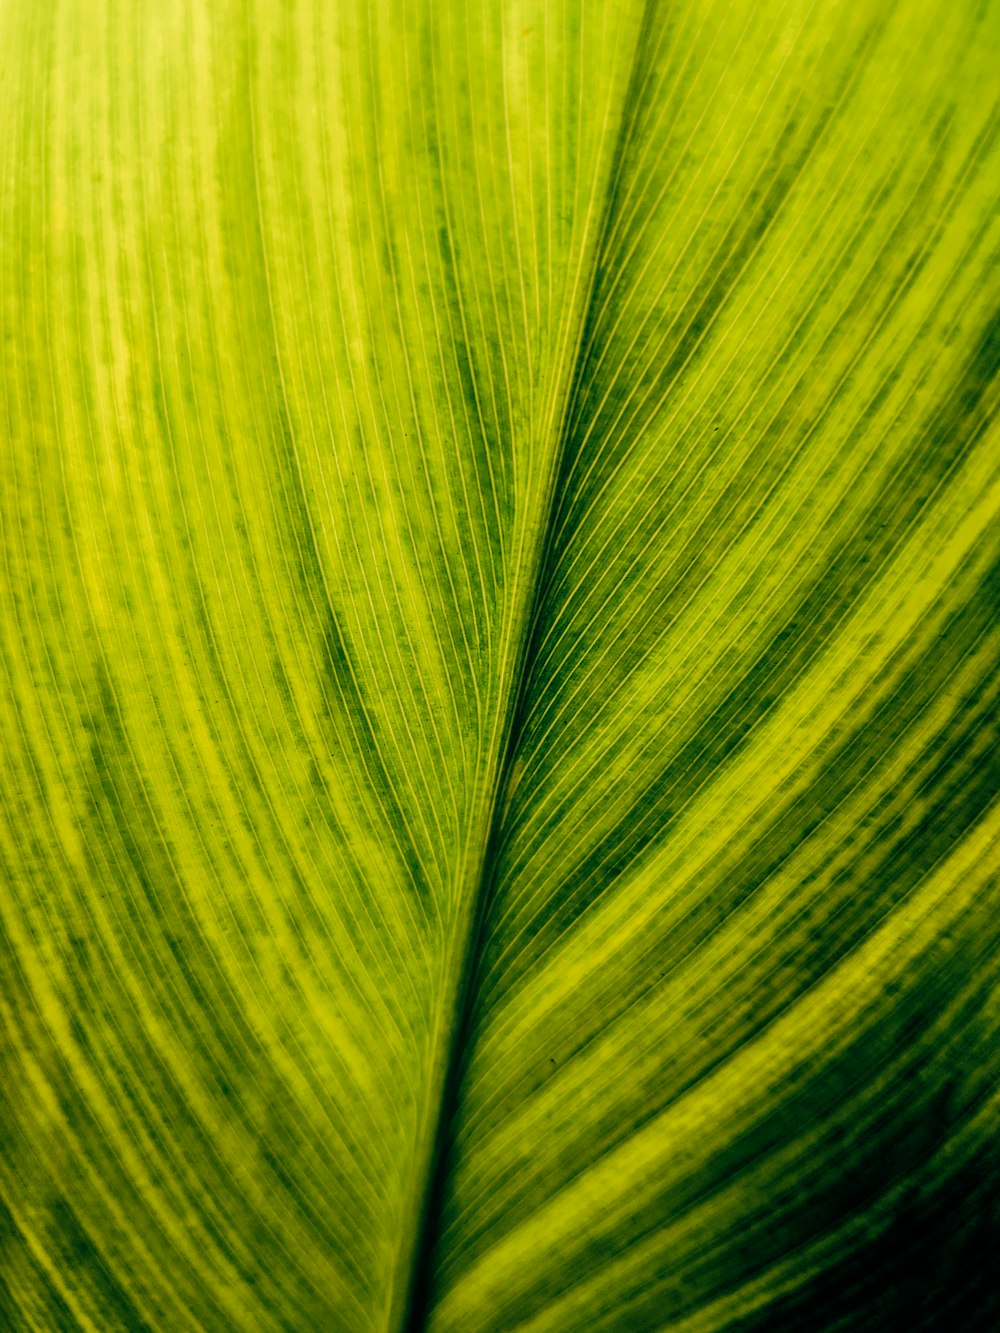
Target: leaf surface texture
{"points": [[501, 563]]}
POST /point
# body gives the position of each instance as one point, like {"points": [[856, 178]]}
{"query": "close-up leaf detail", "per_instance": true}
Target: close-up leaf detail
{"points": [[500, 519]]}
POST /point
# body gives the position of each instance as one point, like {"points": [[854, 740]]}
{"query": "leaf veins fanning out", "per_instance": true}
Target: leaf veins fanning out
{"points": [[499, 517]]}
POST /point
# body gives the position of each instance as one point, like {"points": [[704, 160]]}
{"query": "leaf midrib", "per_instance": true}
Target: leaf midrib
{"points": [[411, 1294]]}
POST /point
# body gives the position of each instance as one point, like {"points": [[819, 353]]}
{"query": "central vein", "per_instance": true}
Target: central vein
{"points": [[412, 1291]]}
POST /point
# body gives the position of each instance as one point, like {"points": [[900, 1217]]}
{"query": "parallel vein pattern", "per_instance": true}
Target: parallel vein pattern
{"points": [[290, 303], [735, 1060], [499, 514]]}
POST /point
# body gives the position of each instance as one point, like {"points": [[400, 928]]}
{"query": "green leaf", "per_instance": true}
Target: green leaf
{"points": [[500, 822]]}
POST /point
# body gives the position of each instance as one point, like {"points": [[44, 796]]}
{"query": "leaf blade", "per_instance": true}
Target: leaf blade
{"points": [[350, 602]]}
